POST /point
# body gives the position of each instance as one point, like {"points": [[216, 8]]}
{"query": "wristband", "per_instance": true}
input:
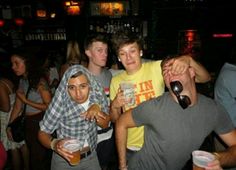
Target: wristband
{"points": [[53, 142]]}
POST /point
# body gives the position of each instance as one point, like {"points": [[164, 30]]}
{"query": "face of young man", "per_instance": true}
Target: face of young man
{"points": [[78, 89], [130, 56], [18, 65], [97, 53]]}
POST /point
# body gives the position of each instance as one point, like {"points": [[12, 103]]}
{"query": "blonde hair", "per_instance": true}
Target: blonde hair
{"points": [[73, 52]]}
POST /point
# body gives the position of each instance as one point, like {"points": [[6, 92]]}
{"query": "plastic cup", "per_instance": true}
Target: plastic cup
{"points": [[73, 147], [129, 93], [201, 159]]}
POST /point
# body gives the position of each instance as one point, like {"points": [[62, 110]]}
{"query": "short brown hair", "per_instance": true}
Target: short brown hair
{"points": [[122, 38]]}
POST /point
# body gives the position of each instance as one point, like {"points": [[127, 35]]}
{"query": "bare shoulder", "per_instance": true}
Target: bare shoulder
{"points": [[43, 84]]}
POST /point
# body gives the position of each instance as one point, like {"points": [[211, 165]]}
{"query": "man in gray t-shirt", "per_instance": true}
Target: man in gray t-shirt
{"points": [[175, 124], [96, 49]]}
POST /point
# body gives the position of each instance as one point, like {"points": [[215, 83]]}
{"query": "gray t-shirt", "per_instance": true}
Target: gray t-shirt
{"points": [[105, 79], [171, 133], [33, 95]]}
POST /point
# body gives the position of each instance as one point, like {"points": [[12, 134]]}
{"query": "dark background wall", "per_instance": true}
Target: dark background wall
{"points": [[165, 18]]}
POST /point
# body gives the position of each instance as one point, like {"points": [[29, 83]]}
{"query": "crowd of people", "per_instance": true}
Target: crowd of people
{"points": [[80, 100]]}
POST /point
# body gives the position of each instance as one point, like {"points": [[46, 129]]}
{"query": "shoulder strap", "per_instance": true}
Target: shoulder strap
{"points": [[6, 84], [23, 111]]}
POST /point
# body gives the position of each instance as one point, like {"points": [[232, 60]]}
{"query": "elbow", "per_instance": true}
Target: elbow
{"points": [[204, 79], [208, 78]]}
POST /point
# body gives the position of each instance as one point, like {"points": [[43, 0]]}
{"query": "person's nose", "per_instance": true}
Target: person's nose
{"points": [[128, 56], [78, 92]]}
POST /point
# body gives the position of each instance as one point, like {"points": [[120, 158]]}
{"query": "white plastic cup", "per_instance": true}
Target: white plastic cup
{"points": [[129, 93], [201, 159], [73, 146]]}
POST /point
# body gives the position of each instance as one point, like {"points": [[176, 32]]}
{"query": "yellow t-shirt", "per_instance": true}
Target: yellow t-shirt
{"points": [[148, 83]]}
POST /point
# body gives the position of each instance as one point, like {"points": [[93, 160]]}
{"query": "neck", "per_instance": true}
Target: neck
{"points": [[94, 69]]}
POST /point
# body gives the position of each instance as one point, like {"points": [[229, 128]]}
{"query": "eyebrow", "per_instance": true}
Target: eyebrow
{"points": [[77, 84]]}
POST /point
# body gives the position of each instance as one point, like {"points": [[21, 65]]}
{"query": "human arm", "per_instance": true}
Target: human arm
{"points": [[225, 91], [181, 63], [227, 158], [55, 144], [45, 94], [94, 113], [99, 110], [5, 105], [124, 122], [117, 106], [16, 111]]}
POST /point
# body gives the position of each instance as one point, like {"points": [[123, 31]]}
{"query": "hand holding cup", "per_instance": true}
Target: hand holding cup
{"points": [[201, 160], [129, 93]]}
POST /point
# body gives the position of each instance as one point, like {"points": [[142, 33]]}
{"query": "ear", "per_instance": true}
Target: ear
{"points": [[192, 72], [119, 59], [88, 53]]}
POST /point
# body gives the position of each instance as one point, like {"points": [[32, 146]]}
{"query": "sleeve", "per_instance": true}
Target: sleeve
{"points": [[223, 122], [143, 113], [224, 94]]}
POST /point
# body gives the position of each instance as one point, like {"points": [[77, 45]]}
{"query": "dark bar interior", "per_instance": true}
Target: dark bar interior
{"points": [[167, 27]]}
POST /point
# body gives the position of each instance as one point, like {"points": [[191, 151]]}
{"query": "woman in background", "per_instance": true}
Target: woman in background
{"points": [[8, 84], [29, 65]]}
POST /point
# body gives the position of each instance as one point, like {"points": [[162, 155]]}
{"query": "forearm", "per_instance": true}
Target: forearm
{"points": [[202, 75], [114, 113], [39, 106], [5, 105], [45, 139], [121, 140], [228, 158], [15, 111]]}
